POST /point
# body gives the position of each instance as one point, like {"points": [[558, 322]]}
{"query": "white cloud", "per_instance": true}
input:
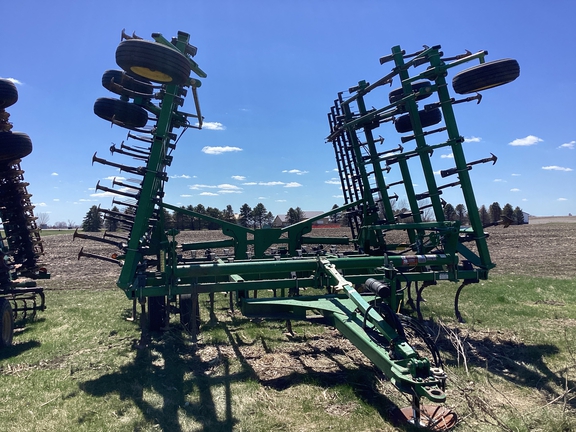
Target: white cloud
{"points": [[292, 185], [102, 195], [220, 150], [208, 194], [333, 181], [447, 156], [211, 125], [472, 139], [238, 177], [556, 168], [271, 183], [117, 178], [515, 175], [280, 201], [514, 190], [56, 199], [185, 196], [569, 145], [295, 171], [228, 186], [200, 186], [527, 141], [562, 199], [499, 181], [249, 184], [42, 204], [54, 174], [184, 176]]}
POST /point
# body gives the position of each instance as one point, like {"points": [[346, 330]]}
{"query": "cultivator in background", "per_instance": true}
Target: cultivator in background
{"points": [[361, 293], [21, 247]]}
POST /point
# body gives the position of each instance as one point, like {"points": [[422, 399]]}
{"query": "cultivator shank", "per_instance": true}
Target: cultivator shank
{"points": [[266, 271]]}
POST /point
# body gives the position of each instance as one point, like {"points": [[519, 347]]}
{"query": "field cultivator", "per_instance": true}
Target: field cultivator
{"points": [[363, 292], [21, 245]]}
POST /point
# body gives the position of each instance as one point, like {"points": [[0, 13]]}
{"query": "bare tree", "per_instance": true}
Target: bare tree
{"points": [[43, 219]]}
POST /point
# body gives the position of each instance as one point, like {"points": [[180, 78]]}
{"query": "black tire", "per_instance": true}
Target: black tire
{"points": [[397, 94], [485, 76], [14, 145], [120, 112], [8, 93], [123, 79], [427, 118], [6, 323], [156, 313], [187, 314], [153, 61]]}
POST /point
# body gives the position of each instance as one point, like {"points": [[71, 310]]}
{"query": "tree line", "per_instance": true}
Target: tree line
{"points": [[491, 215], [260, 217], [257, 217]]}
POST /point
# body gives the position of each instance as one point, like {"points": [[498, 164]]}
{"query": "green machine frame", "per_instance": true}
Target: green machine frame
{"points": [[361, 292]]}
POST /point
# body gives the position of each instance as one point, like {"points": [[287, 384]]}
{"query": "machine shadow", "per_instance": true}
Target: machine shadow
{"points": [[171, 368], [514, 361], [174, 370]]}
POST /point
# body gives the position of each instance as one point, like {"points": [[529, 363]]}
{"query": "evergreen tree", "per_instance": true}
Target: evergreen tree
{"points": [[495, 212], [181, 220], [216, 214], [245, 216], [484, 216], [508, 212], [111, 225], [461, 213], [259, 215], [518, 216], [268, 219], [191, 220], [92, 222], [449, 212], [200, 223], [228, 214], [168, 219], [294, 215]]}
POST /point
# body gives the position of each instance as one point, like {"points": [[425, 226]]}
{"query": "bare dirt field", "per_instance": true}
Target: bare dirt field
{"points": [[533, 220]]}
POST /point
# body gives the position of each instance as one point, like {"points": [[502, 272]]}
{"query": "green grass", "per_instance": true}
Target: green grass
{"points": [[77, 367], [51, 232]]}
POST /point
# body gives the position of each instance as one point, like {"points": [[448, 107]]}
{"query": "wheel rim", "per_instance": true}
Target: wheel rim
{"points": [[153, 75]]}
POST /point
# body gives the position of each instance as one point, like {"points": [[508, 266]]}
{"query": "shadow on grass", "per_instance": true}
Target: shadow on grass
{"points": [[516, 362], [17, 349], [173, 370], [162, 367], [21, 326]]}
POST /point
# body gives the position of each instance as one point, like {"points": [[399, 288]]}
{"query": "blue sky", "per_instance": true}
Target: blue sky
{"points": [[274, 69]]}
